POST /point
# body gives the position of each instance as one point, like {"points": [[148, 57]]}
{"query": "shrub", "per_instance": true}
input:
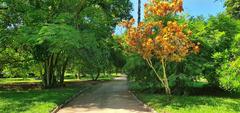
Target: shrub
{"points": [[230, 75]]}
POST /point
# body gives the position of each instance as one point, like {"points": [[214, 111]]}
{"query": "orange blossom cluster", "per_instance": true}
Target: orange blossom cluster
{"points": [[165, 41], [163, 7]]}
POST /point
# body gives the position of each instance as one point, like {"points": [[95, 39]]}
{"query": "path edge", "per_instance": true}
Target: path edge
{"points": [[141, 102], [58, 107]]}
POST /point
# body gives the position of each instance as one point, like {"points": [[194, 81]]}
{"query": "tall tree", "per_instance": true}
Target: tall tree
{"points": [[52, 29], [139, 11], [163, 39]]}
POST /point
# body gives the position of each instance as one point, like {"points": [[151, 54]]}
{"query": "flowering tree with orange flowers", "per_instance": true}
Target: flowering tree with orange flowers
{"points": [[161, 38]]}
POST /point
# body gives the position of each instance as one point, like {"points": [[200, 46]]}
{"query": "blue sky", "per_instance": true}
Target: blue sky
{"points": [[191, 7]]}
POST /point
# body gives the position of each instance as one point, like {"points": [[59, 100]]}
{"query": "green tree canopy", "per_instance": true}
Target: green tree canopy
{"points": [[233, 8]]}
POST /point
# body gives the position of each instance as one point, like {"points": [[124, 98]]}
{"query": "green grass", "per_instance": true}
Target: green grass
{"points": [[202, 98], [191, 104], [34, 101], [27, 80], [32, 80], [18, 80]]}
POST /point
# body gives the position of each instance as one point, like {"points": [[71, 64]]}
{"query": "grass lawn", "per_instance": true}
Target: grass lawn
{"points": [[202, 99], [191, 104], [32, 80], [18, 80], [34, 101]]}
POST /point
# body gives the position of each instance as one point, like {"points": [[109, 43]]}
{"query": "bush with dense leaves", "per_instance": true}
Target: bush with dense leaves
{"points": [[229, 72], [230, 75]]}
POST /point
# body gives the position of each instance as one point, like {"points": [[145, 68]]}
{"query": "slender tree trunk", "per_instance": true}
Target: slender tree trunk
{"points": [[110, 71], [98, 74], [1, 70], [92, 77], [104, 72], [55, 71], [41, 70], [44, 76], [79, 74], [116, 71], [149, 62], [63, 71], [139, 11], [49, 71], [165, 79]]}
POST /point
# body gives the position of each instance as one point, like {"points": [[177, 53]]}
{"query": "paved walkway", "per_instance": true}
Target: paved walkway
{"points": [[109, 97]]}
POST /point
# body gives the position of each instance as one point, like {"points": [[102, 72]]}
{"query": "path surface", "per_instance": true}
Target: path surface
{"points": [[109, 97]]}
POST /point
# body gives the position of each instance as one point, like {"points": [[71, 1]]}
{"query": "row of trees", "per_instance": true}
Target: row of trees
{"points": [[50, 36]]}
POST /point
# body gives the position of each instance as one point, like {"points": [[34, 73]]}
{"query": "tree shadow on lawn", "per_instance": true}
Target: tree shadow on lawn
{"points": [[23, 100], [213, 91]]}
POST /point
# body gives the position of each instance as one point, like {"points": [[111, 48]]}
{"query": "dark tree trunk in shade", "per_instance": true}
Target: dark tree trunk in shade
{"points": [[63, 71], [139, 11]]}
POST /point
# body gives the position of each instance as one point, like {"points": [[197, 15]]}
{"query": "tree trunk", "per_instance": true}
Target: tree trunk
{"points": [[49, 71], [104, 72], [44, 76], [110, 71], [79, 74], [98, 74], [165, 79], [92, 77], [63, 71], [139, 11], [40, 70], [1, 71], [49, 80], [116, 71]]}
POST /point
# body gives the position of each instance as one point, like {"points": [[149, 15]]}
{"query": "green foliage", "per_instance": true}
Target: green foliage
{"points": [[14, 63], [235, 46], [117, 55], [57, 33], [233, 8], [138, 71], [230, 75], [216, 36], [229, 71], [57, 38], [94, 60]]}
